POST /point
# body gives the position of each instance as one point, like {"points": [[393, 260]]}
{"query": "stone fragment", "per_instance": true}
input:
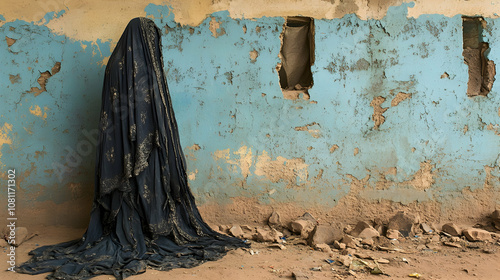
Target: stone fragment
{"points": [[267, 235], [3, 243], [382, 261], [323, 248], [368, 233], [274, 219], [224, 228], [298, 275], [426, 228], [339, 246], [360, 226], [247, 228], [475, 234], [368, 242], [404, 222], [452, 244], [348, 252], [496, 215], [324, 234], [236, 231], [392, 234], [303, 225], [452, 229], [421, 247], [362, 255], [345, 260], [349, 241]]}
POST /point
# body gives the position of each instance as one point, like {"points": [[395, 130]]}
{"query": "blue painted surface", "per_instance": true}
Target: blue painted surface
{"points": [[224, 100]]}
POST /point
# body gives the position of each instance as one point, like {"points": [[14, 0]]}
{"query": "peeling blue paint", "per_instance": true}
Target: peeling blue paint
{"points": [[224, 100]]}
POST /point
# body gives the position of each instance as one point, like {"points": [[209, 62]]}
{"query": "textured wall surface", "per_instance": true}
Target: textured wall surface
{"points": [[388, 123]]}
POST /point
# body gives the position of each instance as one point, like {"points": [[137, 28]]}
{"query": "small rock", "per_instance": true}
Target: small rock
{"points": [[21, 235], [323, 248], [224, 228], [298, 275], [338, 245], [452, 229], [278, 245], [369, 233], [426, 228], [362, 255], [368, 242], [452, 244], [265, 235], [349, 241], [496, 215], [236, 231], [3, 243], [360, 226], [317, 268], [303, 227], [324, 234], [345, 260], [348, 252], [475, 234], [496, 224], [247, 228], [421, 247], [286, 232], [382, 261], [489, 251], [404, 222], [275, 219], [392, 234]]}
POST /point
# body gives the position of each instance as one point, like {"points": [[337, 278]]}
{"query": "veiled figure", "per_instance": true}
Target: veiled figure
{"points": [[143, 214]]}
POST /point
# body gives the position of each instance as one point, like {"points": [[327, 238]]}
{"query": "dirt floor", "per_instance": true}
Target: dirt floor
{"points": [[475, 260]]}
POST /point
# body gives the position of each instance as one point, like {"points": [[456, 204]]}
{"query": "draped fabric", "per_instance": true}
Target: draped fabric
{"points": [[143, 214]]}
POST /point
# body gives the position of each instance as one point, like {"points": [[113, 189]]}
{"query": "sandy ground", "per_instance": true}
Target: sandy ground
{"points": [[267, 262]]}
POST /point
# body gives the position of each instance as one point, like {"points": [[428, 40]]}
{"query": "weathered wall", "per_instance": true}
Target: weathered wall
{"points": [[388, 124]]}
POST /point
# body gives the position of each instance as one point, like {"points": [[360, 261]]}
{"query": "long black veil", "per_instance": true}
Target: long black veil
{"points": [[143, 214]]}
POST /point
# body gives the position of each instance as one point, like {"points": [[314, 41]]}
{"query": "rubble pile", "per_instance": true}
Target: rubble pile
{"points": [[350, 249]]}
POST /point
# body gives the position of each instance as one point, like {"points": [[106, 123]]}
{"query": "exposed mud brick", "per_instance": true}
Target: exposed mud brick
{"points": [[325, 234], [404, 222], [452, 229], [475, 234], [236, 231], [274, 219]]}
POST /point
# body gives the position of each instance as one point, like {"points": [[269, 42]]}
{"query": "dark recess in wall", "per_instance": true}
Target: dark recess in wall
{"points": [[481, 70], [297, 54]]}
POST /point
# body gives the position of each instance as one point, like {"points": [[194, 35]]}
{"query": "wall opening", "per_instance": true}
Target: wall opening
{"points": [[297, 56], [481, 70]]}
